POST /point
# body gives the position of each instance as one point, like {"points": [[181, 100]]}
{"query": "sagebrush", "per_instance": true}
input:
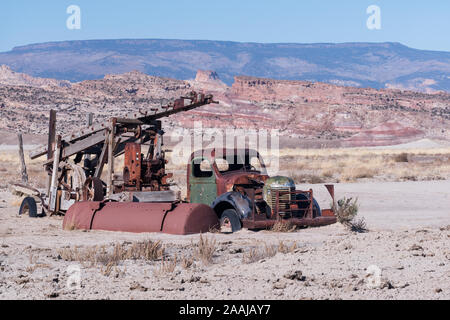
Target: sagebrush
{"points": [[346, 212]]}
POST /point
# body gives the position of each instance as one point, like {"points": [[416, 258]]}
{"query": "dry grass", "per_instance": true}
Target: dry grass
{"points": [[284, 248], [351, 164], [258, 254], [145, 250], [283, 226], [187, 263], [166, 267], [32, 268], [267, 251], [10, 169], [204, 249]]}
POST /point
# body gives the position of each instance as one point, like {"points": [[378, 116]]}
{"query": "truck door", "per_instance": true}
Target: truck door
{"points": [[202, 182]]}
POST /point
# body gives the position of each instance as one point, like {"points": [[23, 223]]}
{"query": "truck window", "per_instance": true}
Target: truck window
{"points": [[240, 163], [201, 169]]}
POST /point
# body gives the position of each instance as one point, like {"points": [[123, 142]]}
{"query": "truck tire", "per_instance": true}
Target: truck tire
{"points": [[229, 221], [29, 207], [317, 212]]}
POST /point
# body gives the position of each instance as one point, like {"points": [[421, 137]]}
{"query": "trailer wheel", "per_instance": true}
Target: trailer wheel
{"points": [[230, 222], [93, 189], [29, 207]]}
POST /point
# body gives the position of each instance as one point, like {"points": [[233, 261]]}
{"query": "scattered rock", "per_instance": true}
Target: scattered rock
{"points": [[52, 295], [387, 284], [279, 286], [138, 286], [191, 280], [295, 275], [22, 279], [438, 290], [415, 247]]}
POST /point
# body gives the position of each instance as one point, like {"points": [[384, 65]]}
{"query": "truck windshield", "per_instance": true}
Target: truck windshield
{"points": [[247, 162]]}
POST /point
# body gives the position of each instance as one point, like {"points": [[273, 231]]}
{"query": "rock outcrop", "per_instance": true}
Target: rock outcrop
{"points": [[307, 114], [11, 78]]}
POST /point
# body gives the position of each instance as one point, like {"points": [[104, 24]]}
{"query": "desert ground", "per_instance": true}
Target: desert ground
{"points": [[405, 254]]}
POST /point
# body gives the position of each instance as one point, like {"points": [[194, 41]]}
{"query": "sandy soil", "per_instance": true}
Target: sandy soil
{"points": [[409, 242]]}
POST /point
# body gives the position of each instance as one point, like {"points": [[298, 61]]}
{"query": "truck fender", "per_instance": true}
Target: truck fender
{"points": [[233, 200]]}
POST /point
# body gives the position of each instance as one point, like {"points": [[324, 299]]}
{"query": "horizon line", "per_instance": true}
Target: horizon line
{"points": [[223, 41]]}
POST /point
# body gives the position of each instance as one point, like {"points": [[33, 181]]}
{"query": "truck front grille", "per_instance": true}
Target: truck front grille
{"points": [[284, 199]]}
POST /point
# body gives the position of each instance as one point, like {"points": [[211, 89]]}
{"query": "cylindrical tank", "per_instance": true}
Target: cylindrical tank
{"points": [[180, 219]]}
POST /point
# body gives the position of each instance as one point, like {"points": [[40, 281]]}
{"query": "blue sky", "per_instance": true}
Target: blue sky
{"points": [[418, 24]]}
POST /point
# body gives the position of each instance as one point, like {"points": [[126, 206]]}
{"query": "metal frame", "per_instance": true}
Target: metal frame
{"points": [[105, 141]]}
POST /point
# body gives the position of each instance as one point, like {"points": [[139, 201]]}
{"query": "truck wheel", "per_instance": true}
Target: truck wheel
{"points": [[316, 209], [230, 222], [303, 206], [29, 207]]}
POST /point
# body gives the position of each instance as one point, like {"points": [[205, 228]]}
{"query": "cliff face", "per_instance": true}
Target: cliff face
{"points": [[306, 113], [351, 116]]}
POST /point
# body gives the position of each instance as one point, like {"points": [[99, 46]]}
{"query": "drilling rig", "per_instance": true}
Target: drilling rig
{"points": [[76, 163]]}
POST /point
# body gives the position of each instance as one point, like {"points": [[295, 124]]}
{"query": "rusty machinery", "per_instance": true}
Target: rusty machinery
{"points": [[75, 164]]}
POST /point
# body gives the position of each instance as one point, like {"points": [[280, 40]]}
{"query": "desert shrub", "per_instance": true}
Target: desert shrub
{"points": [[402, 157], [358, 225], [346, 212]]}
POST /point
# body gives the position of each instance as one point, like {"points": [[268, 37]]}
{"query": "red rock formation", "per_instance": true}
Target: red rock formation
{"points": [[303, 111], [388, 133]]}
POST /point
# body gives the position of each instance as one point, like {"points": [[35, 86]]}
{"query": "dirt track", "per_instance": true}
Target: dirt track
{"points": [[409, 241]]}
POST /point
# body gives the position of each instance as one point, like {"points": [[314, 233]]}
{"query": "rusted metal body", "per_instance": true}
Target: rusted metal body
{"points": [[241, 186], [171, 218]]}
